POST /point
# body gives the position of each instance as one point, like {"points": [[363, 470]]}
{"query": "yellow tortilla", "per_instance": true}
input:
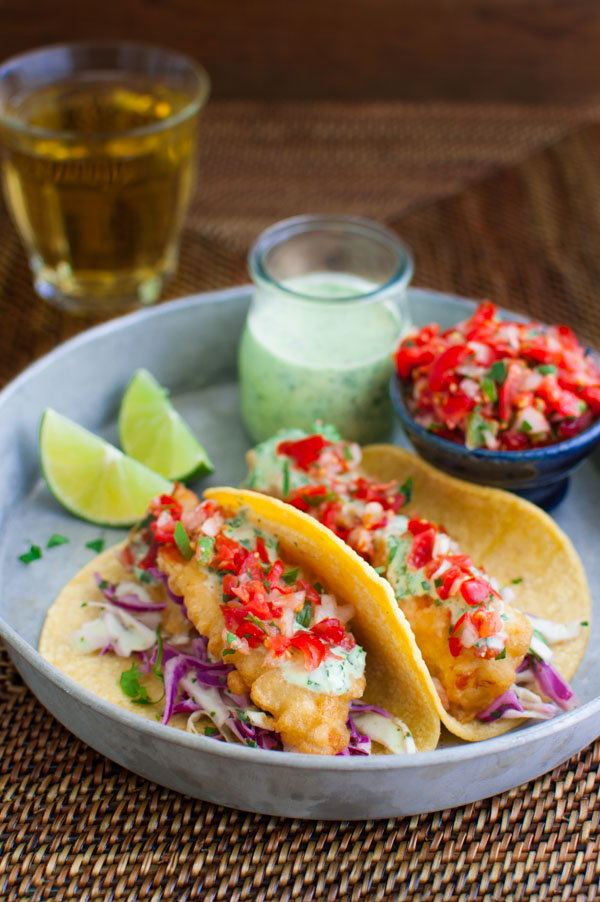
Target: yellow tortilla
{"points": [[397, 678], [512, 539], [99, 674]]}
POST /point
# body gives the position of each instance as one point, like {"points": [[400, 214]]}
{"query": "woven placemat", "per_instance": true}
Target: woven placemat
{"points": [[73, 825]]}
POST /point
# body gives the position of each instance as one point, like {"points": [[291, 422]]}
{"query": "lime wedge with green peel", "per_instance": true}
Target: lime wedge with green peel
{"points": [[151, 430], [92, 478]]}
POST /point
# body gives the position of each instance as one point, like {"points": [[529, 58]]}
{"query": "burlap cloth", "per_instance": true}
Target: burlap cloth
{"points": [[75, 826]]}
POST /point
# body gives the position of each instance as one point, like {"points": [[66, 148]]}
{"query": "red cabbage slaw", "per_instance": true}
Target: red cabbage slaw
{"points": [[195, 685], [499, 384]]}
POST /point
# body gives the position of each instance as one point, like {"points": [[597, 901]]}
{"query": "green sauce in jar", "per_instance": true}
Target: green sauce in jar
{"points": [[318, 344]]}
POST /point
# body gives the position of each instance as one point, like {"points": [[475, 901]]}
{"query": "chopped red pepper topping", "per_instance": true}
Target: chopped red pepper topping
{"points": [[499, 384], [305, 451]]}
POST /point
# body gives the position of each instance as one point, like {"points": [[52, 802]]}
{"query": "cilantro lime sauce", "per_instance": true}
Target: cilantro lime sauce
{"points": [[303, 360], [332, 675]]}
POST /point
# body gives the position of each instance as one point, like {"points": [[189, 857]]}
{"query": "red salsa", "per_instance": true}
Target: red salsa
{"points": [[498, 384]]}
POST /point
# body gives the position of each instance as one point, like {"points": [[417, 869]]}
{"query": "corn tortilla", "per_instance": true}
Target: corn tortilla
{"points": [[512, 538]]}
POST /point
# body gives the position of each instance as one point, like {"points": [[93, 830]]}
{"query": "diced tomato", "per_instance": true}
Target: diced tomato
{"points": [[305, 451], [455, 407], [229, 554], [509, 391], [262, 549], [278, 644], [311, 592], [417, 525], [455, 646], [410, 356], [444, 365], [488, 623], [330, 629], [308, 496], [422, 549], [475, 591], [314, 649], [448, 578]]}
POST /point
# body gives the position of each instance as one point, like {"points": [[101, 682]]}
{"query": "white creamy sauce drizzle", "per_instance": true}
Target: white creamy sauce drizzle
{"points": [[332, 676]]}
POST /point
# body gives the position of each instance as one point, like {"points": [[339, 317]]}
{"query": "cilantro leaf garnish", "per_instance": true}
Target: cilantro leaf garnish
{"points": [[285, 488], [303, 616], [132, 688], [182, 540], [206, 546], [498, 371], [547, 369], [407, 489], [488, 387], [34, 554], [96, 545], [290, 576], [156, 669], [516, 582], [380, 570], [56, 539]]}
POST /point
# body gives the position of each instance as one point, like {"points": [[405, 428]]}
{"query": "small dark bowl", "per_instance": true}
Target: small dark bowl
{"points": [[540, 474]]}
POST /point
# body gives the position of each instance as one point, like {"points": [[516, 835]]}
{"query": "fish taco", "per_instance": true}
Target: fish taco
{"points": [[493, 590], [243, 619]]}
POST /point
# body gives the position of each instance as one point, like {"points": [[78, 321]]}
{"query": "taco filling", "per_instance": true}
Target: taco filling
{"points": [[226, 633], [488, 660]]}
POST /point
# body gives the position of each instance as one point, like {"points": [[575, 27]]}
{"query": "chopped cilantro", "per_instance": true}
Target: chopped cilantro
{"points": [[132, 688], [290, 576], [34, 554], [56, 539], [525, 426], [425, 585], [585, 623], [304, 615], [516, 582], [319, 588], [206, 546], [439, 582], [380, 570], [96, 545], [499, 371], [285, 488], [210, 731], [227, 651], [158, 663], [501, 656], [347, 452], [407, 489], [393, 543], [251, 743], [182, 540], [488, 387], [546, 369], [255, 620]]}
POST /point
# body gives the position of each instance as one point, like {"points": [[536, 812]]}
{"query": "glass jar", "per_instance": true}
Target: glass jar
{"points": [[327, 313]]}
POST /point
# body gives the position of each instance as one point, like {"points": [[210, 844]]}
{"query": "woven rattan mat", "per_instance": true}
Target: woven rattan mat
{"points": [[75, 826]]}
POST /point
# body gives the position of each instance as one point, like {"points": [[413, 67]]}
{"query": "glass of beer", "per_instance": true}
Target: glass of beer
{"points": [[99, 142]]}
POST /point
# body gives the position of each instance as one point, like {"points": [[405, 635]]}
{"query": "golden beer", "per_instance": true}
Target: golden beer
{"points": [[98, 179]]}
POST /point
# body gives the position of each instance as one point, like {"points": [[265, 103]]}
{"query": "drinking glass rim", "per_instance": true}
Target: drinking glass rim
{"points": [[358, 225], [196, 102]]}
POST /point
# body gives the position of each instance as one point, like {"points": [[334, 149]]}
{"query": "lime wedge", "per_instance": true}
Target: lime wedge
{"points": [[151, 430], [92, 478]]}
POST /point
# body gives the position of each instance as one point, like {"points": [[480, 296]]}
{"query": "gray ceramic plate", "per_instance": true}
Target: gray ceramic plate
{"points": [[190, 346]]}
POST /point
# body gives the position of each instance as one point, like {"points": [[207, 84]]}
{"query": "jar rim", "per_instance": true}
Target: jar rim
{"points": [[282, 231]]}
